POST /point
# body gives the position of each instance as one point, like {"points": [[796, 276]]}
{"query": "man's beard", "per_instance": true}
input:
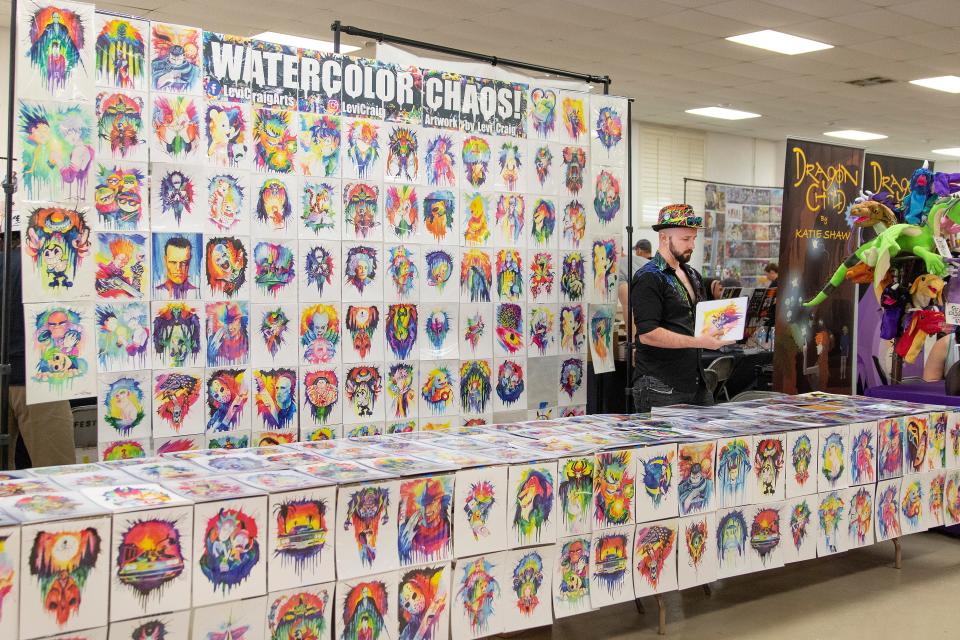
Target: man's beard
{"points": [[682, 258]]}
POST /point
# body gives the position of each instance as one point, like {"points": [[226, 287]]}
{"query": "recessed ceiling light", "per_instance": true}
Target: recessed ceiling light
{"points": [[305, 43], [950, 84], [723, 113], [779, 42], [853, 134], [950, 151]]}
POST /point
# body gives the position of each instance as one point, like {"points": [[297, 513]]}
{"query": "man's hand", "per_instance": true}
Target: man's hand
{"points": [[712, 342]]}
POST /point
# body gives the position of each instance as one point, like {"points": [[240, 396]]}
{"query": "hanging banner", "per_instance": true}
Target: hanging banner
{"points": [[812, 349], [890, 174]]}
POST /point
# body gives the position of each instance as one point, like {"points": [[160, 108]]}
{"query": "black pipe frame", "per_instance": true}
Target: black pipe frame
{"points": [[6, 309]]}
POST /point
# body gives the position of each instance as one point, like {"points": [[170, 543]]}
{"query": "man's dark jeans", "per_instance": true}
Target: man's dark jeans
{"points": [[650, 392]]}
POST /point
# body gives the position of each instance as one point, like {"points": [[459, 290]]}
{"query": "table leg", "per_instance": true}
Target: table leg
{"points": [[707, 590], [898, 553], [662, 619], [639, 604]]}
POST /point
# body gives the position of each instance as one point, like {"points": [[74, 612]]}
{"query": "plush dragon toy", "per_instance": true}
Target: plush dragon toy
{"points": [[891, 242]]}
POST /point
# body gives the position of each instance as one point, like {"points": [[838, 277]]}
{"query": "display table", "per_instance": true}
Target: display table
{"points": [[925, 392]]}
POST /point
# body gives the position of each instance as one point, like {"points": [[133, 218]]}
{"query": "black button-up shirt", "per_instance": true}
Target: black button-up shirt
{"points": [[659, 299]]}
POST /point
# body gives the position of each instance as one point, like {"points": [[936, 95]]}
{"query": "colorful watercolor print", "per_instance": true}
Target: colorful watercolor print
{"points": [[402, 270], [60, 341], [367, 509], [322, 392], [61, 561], [541, 328], [476, 275], [509, 275], [606, 198], [123, 336], [402, 206], [574, 587], [572, 329], [765, 533], [576, 490], [542, 275], [475, 386], [226, 265], [951, 497], [225, 198], [510, 163], [176, 125], [226, 127], [56, 41], [799, 523], [543, 111], [56, 142], [176, 58], [176, 195], [403, 160], [527, 580], [120, 126], [318, 205], [437, 390], [227, 394], [609, 127], [423, 598], [574, 163], [121, 55], [439, 269], [174, 396], [57, 242], [400, 389], [362, 322], [426, 526], [574, 223], [768, 465], [572, 281], [696, 477], [862, 461], [362, 388], [274, 267], [360, 267], [363, 146], [274, 207], [510, 383], [830, 514], [477, 593], [476, 160], [510, 217], [119, 197], [888, 512], [653, 550], [937, 458], [695, 538], [832, 457], [319, 333], [861, 516], [733, 471], [301, 530], [605, 267], [149, 556], [731, 537], [230, 548], [800, 457], [439, 208], [441, 161], [123, 405], [365, 612], [573, 119], [916, 443], [318, 266], [477, 506], [176, 334], [890, 449], [509, 329], [301, 615], [544, 221], [228, 333], [361, 208], [319, 145], [275, 393], [911, 502], [610, 561], [613, 488], [274, 140], [121, 266], [533, 503], [401, 329]]}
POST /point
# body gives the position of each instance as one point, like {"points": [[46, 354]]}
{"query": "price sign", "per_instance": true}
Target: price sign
{"points": [[952, 313], [942, 247]]}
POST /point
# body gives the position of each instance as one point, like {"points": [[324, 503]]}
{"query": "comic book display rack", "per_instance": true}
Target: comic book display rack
{"points": [[466, 533], [230, 242]]}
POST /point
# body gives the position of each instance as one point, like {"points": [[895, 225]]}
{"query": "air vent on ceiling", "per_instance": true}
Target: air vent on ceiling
{"points": [[872, 81]]}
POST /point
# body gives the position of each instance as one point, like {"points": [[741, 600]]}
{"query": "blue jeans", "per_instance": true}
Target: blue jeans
{"points": [[649, 392]]}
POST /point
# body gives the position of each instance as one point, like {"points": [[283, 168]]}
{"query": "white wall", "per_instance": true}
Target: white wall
{"points": [[4, 78]]}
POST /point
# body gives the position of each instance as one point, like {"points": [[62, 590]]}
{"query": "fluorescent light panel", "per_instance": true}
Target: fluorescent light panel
{"points": [[950, 151], [779, 42], [949, 84], [305, 43], [723, 113], [853, 134]]}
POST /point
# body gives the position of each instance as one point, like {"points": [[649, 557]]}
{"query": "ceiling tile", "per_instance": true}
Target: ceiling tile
{"points": [[757, 13], [705, 23]]}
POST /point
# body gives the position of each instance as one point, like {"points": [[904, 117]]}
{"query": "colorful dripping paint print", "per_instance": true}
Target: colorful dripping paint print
{"points": [[478, 594], [365, 610], [56, 142], [56, 49], [301, 614], [177, 126], [653, 555], [121, 266], [368, 509], [301, 533], [175, 61], [121, 52], [231, 548], [613, 489], [56, 250], [426, 525], [60, 351], [916, 445], [150, 557], [533, 502], [734, 465], [890, 448], [319, 152], [175, 398], [696, 472]]}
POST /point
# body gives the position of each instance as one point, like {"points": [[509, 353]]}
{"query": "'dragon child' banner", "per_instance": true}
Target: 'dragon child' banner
{"points": [[812, 349]]}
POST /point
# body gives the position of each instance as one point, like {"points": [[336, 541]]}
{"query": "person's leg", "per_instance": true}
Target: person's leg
{"points": [[703, 396], [16, 459], [46, 429], [649, 392]]}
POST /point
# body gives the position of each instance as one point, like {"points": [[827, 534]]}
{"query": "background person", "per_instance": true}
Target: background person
{"points": [[665, 295], [772, 271]]}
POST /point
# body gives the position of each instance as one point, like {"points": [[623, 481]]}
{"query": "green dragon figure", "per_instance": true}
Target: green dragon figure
{"points": [[894, 240]]}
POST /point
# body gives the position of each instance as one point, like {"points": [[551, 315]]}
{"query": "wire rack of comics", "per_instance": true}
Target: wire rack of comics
{"points": [[467, 533], [231, 242]]}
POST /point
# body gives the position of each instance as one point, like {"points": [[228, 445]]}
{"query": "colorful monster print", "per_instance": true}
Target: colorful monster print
{"points": [[613, 488], [61, 561], [275, 140]]}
